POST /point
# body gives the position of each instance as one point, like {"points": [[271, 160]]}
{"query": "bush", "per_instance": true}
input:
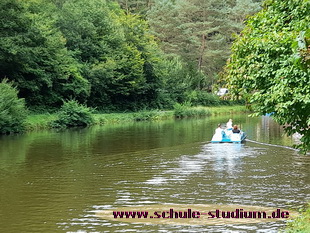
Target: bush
{"points": [[73, 114], [12, 109], [99, 120], [185, 110], [202, 98], [146, 116]]}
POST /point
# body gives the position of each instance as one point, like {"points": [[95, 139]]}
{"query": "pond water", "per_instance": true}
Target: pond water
{"points": [[60, 181]]}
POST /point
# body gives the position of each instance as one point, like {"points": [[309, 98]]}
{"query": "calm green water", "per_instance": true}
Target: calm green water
{"points": [[58, 181]]}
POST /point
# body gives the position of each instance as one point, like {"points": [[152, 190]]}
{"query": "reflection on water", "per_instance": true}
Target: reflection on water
{"points": [[226, 157], [58, 181], [267, 131]]}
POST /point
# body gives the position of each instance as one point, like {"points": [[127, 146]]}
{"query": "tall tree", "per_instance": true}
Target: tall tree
{"points": [[199, 31], [33, 55], [116, 50], [270, 65], [136, 6]]}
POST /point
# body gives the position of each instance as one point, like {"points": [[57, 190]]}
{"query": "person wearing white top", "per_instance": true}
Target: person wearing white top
{"points": [[229, 124], [218, 136], [219, 130]]}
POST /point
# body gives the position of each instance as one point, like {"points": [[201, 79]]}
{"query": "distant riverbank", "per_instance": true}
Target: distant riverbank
{"points": [[43, 121]]}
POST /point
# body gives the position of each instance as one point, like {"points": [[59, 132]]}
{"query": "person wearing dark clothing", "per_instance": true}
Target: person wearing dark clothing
{"points": [[235, 129]]}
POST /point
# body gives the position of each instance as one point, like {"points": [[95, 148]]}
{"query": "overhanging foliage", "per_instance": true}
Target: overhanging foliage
{"points": [[270, 63]]}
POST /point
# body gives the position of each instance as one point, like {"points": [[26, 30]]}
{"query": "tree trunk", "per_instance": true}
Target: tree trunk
{"points": [[202, 50], [126, 6]]}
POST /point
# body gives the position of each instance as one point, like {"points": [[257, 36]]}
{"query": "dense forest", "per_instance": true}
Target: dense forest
{"points": [[111, 55]]}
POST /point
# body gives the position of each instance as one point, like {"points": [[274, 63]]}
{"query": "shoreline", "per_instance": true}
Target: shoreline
{"points": [[35, 122]]}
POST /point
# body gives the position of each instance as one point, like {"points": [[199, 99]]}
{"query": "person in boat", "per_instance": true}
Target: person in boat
{"points": [[235, 129], [218, 136], [219, 129], [229, 125]]}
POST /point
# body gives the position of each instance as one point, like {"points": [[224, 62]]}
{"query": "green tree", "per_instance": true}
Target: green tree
{"points": [[116, 51], [175, 81], [136, 6], [240, 11], [94, 34], [269, 65], [33, 54], [199, 31], [12, 109]]}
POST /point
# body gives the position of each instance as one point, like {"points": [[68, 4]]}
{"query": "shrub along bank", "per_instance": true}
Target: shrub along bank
{"points": [[12, 109], [45, 121]]}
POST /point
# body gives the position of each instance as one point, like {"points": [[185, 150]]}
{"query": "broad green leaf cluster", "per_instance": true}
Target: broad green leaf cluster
{"points": [[270, 63]]}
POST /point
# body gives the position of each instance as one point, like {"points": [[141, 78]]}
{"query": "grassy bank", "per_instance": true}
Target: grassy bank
{"points": [[301, 224], [39, 121], [110, 118], [43, 121], [228, 109]]}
